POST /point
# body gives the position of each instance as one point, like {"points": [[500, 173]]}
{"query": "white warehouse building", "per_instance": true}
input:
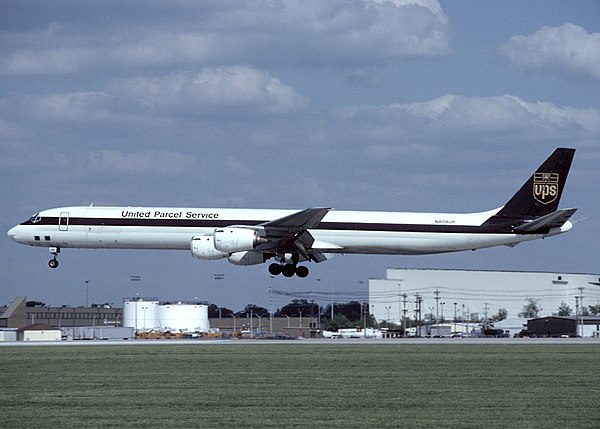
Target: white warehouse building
{"points": [[476, 294]]}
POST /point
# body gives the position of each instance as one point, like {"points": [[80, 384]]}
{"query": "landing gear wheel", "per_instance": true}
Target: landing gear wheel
{"points": [[53, 263], [302, 271], [275, 269], [288, 270]]}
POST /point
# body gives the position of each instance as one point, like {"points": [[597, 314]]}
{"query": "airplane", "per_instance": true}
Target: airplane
{"points": [[291, 237]]}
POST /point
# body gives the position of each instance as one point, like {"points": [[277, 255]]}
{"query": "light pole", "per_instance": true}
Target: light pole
{"points": [[87, 292], [250, 323], [234, 317], [455, 304], [581, 305], [387, 322], [259, 328]]}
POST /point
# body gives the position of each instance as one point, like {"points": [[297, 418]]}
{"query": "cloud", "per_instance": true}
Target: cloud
{"points": [[151, 163], [235, 91], [399, 131], [263, 33], [568, 49], [226, 87], [71, 106]]}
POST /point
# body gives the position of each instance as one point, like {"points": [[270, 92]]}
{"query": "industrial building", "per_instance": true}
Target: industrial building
{"points": [[20, 313], [468, 295], [144, 315], [454, 300]]}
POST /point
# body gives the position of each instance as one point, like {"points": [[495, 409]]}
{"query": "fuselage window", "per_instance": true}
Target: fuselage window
{"points": [[36, 238], [47, 237]]}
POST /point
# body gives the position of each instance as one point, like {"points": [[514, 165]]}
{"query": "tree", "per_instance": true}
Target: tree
{"points": [[531, 309], [215, 311], [338, 322], [294, 308], [564, 310], [254, 309], [594, 309], [352, 310], [501, 315]]}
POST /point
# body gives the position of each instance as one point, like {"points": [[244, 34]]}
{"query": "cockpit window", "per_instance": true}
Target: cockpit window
{"points": [[35, 218]]}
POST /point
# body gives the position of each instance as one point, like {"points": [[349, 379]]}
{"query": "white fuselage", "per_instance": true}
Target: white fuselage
{"points": [[362, 232]]}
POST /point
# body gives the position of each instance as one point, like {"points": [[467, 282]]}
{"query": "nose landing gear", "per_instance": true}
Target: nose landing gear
{"points": [[53, 263]]}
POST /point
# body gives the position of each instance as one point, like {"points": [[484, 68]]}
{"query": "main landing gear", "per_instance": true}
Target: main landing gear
{"points": [[53, 263], [288, 270]]}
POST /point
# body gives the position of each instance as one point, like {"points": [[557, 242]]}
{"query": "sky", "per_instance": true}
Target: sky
{"points": [[402, 105]]}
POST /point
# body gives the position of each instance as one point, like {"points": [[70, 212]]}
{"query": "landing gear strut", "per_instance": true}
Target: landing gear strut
{"points": [[288, 270], [53, 263]]}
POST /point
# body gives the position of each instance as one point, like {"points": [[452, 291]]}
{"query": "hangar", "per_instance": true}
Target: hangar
{"points": [[469, 295]]}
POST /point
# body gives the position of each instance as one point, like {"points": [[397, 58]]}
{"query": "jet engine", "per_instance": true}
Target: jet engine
{"points": [[247, 258], [203, 247], [236, 239]]}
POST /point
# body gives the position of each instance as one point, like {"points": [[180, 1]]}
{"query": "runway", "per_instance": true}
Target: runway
{"points": [[314, 341]]}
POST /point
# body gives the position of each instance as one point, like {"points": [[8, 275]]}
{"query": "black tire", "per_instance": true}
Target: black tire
{"points": [[288, 270], [53, 263], [275, 269], [302, 271]]}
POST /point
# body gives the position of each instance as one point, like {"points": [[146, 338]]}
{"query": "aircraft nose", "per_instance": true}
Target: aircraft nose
{"points": [[12, 233]]}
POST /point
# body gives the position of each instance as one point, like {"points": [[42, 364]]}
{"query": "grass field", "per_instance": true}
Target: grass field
{"points": [[325, 385]]}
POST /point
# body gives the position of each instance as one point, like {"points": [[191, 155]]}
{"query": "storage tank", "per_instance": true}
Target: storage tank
{"points": [[182, 316], [140, 313]]}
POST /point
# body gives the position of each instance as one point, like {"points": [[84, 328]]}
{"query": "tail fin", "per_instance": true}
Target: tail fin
{"points": [[541, 194]]}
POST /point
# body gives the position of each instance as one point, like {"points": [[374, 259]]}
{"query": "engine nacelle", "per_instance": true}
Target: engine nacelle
{"points": [[247, 258], [235, 239], [203, 247]]}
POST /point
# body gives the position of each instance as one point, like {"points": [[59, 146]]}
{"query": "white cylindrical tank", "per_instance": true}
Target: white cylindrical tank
{"points": [[140, 313], [185, 317]]}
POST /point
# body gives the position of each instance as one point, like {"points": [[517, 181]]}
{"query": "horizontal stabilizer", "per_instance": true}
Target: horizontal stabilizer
{"points": [[552, 220]]}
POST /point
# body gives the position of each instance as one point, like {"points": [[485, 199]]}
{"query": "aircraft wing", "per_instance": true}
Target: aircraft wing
{"points": [[290, 233], [552, 220]]}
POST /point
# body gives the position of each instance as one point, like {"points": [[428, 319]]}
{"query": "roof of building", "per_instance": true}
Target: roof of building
{"points": [[38, 327]]}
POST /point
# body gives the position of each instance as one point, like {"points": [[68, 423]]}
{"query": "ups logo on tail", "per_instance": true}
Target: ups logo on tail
{"points": [[545, 187]]}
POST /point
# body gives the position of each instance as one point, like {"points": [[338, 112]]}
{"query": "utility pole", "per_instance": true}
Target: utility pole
{"points": [[576, 315], [486, 308], [418, 302], [455, 304], [404, 310], [270, 310], [581, 305], [437, 305], [366, 309]]}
